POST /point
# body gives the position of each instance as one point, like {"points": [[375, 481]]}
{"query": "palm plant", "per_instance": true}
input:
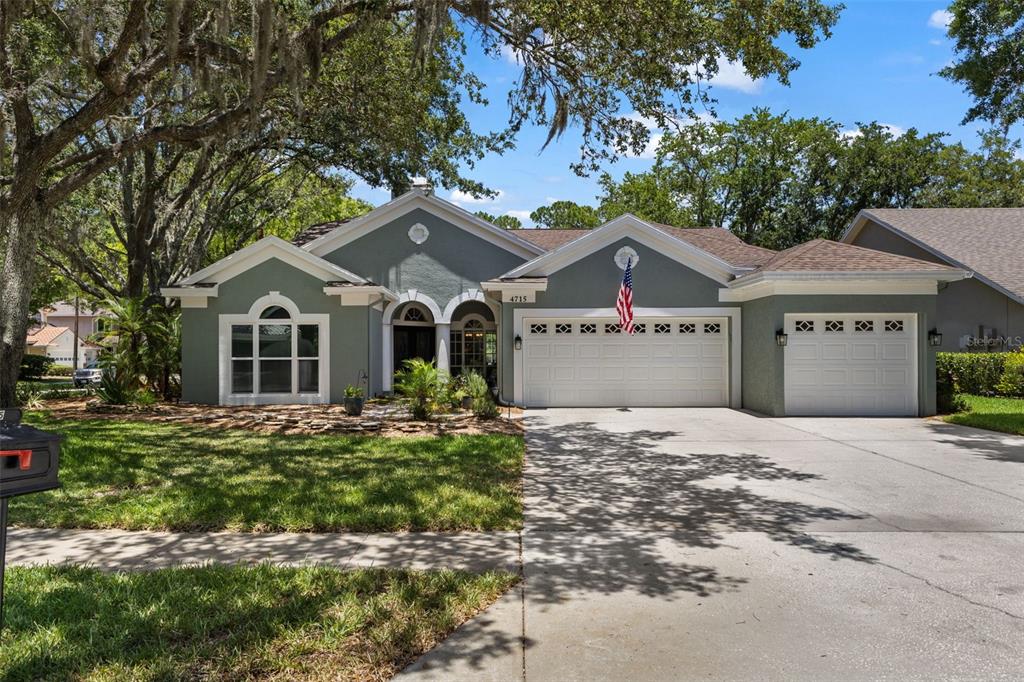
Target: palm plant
{"points": [[420, 382], [144, 347]]}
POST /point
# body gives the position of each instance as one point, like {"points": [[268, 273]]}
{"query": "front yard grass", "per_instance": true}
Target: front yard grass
{"points": [[994, 414], [151, 476], [231, 622]]}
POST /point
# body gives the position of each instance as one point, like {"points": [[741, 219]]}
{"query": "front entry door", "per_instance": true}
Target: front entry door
{"points": [[413, 342]]}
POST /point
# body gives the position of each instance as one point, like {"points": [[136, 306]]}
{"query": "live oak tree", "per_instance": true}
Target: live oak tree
{"points": [[566, 215], [509, 222], [207, 69]]}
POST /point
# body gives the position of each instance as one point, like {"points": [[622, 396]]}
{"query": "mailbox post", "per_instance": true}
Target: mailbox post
{"points": [[28, 464]]}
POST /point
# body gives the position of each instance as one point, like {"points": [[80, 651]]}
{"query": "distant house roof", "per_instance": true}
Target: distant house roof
{"points": [[45, 335], [65, 309], [316, 231], [988, 241], [715, 240], [822, 255]]}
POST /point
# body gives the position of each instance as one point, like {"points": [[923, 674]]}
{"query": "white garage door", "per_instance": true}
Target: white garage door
{"points": [[851, 365], [588, 362]]}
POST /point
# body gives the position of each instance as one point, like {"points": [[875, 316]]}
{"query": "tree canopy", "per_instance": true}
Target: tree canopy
{"points": [[566, 215], [509, 222]]}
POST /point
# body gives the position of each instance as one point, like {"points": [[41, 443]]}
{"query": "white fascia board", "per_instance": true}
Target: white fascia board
{"points": [[361, 294], [265, 249], [456, 215], [801, 286], [628, 225], [538, 284], [190, 292]]}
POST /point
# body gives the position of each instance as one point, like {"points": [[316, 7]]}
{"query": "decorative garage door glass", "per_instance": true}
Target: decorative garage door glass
{"points": [[864, 364], [275, 356], [591, 363]]}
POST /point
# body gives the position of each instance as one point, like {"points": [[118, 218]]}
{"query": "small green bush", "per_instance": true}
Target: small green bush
{"points": [[1011, 383], [117, 387], [484, 406], [975, 373], [60, 371], [947, 395], [28, 395], [34, 367]]}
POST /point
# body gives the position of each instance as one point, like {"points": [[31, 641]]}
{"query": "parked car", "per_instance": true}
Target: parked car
{"points": [[92, 373]]}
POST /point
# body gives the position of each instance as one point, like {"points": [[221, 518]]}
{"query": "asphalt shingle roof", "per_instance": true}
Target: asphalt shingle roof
{"points": [[820, 255], [989, 241], [316, 231]]}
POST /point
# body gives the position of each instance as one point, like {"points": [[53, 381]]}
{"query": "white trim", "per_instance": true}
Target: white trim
{"points": [[455, 215], [189, 292], [427, 321], [733, 315], [388, 332], [224, 322], [259, 252], [487, 324], [862, 218], [516, 291], [627, 254], [471, 295], [768, 284], [628, 225], [367, 294]]}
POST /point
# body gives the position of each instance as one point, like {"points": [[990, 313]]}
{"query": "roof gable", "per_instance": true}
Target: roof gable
{"points": [[262, 251], [349, 231], [643, 232], [987, 241]]}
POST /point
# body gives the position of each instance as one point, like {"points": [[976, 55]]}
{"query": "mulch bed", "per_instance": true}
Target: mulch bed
{"points": [[378, 418]]}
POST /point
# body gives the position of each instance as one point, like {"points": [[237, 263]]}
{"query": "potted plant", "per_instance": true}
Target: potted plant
{"points": [[353, 400]]}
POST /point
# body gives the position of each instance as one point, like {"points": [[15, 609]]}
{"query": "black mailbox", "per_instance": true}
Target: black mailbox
{"points": [[28, 457]]}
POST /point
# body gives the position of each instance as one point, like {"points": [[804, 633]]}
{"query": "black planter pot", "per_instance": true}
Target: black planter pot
{"points": [[354, 406], [467, 402]]}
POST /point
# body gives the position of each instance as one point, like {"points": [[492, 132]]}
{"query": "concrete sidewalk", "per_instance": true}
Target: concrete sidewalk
{"points": [[129, 550]]}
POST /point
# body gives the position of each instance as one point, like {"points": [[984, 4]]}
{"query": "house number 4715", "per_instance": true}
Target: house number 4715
{"points": [[521, 298]]}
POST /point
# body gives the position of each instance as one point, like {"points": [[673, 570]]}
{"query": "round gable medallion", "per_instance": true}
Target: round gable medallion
{"points": [[418, 233], [626, 255]]}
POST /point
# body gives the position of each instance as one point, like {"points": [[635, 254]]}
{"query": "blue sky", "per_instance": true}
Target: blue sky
{"points": [[879, 65]]}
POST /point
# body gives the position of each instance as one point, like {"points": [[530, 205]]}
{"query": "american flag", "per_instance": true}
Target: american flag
{"points": [[624, 304]]}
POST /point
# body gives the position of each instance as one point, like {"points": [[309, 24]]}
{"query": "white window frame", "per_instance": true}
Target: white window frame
{"points": [[296, 318]]}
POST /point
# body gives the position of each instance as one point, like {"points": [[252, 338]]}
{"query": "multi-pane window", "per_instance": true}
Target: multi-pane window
{"points": [[588, 328], [687, 328], [639, 328], [712, 328], [563, 328], [612, 328], [662, 328], [275, 355], [804, 326], [864, 326], [539, 328], [894, 325], [833, 326], [474, 348], [414, 314]]}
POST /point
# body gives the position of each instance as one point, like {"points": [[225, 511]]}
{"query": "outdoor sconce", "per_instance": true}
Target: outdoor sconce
{"points": [[934, 338], [781, 338], [519, 342]]}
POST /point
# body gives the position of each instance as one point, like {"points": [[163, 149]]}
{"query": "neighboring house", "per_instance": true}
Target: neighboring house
{"points": [[822, 328], [58, 343], [62, 314], [985, 312]]}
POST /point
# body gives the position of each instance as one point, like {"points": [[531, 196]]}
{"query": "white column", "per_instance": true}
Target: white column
{"points": [[442, 333], [387, 358]]}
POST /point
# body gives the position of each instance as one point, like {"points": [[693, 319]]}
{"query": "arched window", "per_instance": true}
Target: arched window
{"points": [[275, 355], [414, 314]]}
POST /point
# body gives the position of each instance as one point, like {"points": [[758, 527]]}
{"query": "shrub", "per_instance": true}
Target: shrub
{"points": [[421, 384], [118, 387], [977, 373], [34, 366], [60, 371], [28, 395], [947, 395], [1011, 382], [484, 406]]}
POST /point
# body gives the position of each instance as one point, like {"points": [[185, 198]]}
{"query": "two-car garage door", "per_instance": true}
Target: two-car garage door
{"points": [[590, 362]]}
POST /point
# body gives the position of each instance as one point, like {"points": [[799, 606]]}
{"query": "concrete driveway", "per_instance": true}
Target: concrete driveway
{"points": [[713, 544]]}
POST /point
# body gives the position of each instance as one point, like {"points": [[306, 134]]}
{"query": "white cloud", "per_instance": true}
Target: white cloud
{"points": [[940, 18], [935, 41], [461, 198], [893, 130], [522, 215], [657, 133], [733, 76], [511, 55]]}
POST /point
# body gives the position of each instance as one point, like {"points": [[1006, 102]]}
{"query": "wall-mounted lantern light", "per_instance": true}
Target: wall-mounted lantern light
{"points": [[781, 338], [934, 338], [519, 342]]}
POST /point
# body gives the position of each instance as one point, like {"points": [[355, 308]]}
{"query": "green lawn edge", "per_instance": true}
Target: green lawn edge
{"points": [[1005, 415]]}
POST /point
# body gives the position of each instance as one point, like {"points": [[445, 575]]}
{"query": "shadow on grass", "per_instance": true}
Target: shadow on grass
{"points": [[174, 477]]}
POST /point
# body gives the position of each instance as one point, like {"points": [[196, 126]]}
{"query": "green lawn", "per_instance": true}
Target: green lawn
{"points": [[231, 622], [994, 414], [149, 476]]}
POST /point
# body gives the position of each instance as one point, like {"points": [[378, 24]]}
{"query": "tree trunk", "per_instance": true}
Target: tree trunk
{"points": [[22, 228]]}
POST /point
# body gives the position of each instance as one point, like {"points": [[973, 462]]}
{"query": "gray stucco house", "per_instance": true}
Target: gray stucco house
{"points": [[821, 328], [984, 312]]}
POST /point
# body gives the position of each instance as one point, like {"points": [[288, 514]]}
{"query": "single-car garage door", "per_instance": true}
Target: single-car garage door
{"points": [[851, 365], [589, 362]]}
